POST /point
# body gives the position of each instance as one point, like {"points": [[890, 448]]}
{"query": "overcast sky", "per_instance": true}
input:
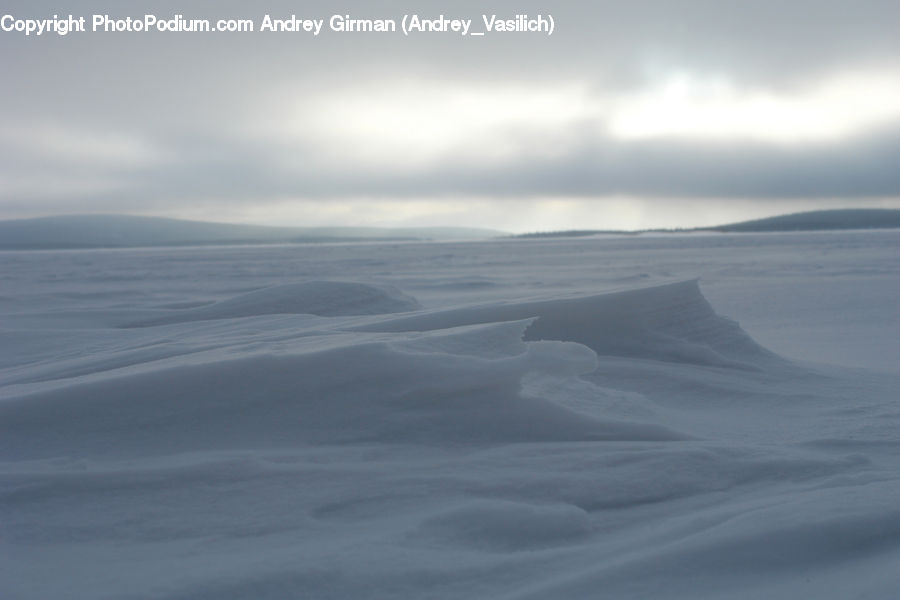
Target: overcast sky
{"points": [[648, 113]]}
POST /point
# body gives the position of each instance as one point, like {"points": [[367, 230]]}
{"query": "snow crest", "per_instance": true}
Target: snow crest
{"points": [[494, 374], [672, 322], [447, 386]]}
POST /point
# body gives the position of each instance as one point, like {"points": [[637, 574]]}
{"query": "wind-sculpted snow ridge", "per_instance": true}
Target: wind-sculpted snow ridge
{"points": [[671, 322], [456, 385], [626, 445], [483, 374], [323, 298]]}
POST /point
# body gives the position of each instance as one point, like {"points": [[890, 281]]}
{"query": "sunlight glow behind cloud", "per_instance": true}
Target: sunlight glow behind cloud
{"points": [[420, 123], [405, 126], [687, 106]]}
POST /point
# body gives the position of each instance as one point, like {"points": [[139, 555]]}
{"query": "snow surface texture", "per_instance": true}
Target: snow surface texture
{"points": [[323, 298], [556, 419]]}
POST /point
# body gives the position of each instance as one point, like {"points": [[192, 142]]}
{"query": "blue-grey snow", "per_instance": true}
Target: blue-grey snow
{"points": [[689, 416]]}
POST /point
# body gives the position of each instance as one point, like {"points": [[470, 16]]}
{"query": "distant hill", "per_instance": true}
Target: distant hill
{"points": [[819, 220], [861, 218], [122, 231]]}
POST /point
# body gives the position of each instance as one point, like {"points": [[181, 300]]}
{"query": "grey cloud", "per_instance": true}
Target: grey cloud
{"points": [[193, 95], [232, 173], [611, 42]]}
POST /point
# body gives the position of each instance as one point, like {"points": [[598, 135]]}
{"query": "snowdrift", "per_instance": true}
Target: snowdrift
{"points": [[669, 323], [439, 377], [330, 439]]}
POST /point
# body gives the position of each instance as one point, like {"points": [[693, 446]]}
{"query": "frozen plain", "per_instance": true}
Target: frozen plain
{"points": [[674, 416]]}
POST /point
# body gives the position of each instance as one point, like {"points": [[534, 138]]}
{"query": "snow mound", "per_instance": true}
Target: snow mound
{"points": [[672, 323], [433, 389], [625, 445], [322, 298]]}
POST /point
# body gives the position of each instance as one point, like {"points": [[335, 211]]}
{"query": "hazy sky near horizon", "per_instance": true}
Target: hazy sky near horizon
{"points": [[648, 113]]}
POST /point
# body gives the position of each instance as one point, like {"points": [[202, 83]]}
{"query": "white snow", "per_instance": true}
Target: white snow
{"points": [[510, 419], [324, 298]]}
